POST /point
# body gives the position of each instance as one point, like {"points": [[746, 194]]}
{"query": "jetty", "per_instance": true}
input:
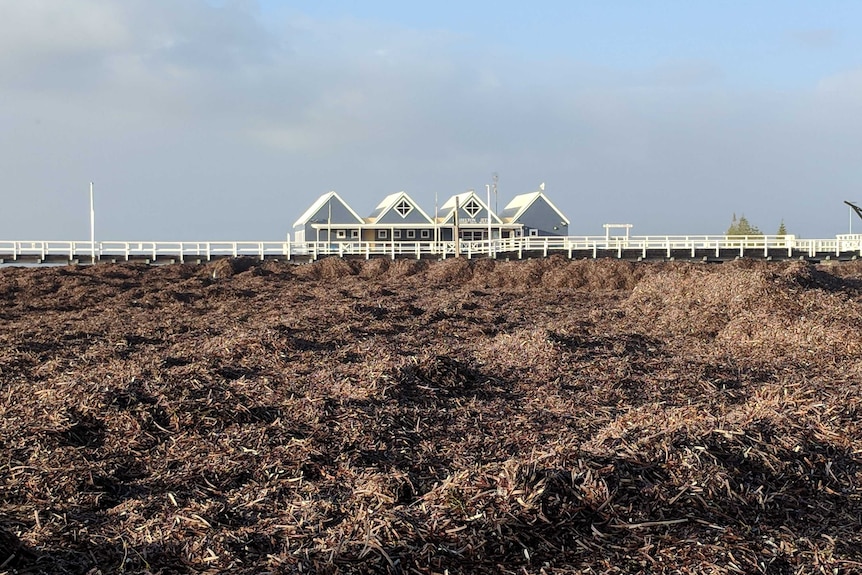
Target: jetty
{"points": [[706, 248]]}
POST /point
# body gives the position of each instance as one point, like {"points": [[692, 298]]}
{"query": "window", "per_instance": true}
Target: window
{"points": [[354, 234], [425, 234], [403, 208], [341, 234], [396, 234], [473, 235], [382, 234], [411, 234], [472, 207], [534, 233]]}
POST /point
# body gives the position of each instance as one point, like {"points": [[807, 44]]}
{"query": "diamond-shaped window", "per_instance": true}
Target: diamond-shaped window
{"points": [[472, 208], [403, 208]]}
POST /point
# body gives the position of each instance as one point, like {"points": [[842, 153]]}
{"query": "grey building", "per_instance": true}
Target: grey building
{"points": [[472, 219], [398, 218], [536, 214], [329, 219]]}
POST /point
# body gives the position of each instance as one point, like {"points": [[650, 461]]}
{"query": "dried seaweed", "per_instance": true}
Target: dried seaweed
{"points": [[544, 416]]}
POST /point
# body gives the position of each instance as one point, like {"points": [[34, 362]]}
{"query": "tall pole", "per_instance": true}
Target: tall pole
{"points": [[436, 224], [92, 227], [496, 198], [457, 229], [488, 193]]}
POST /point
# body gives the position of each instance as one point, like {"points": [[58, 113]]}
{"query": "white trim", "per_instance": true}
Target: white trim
{"points": [[425, 234], [449, 207], [396, 234], [388, 204], [524, 201], [411, 234], [403, 207], [319, 203], [382, 234]]}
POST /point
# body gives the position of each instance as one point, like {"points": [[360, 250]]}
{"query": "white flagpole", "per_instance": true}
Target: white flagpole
{"points": [[436, 223], [488, 190], [92, 227]]}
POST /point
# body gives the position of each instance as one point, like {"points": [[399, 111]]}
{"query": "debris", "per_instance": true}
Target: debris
{"points": [[539, 416]]}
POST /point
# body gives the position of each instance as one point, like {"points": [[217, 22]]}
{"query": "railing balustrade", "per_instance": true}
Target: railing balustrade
{"points": [[595, 246]]}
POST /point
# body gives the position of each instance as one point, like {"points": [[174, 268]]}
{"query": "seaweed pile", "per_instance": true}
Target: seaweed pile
{"points": [[545, 416]]}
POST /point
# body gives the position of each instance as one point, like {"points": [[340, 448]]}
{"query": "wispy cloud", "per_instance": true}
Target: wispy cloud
{"points": [[816, 39], [184, 111]]}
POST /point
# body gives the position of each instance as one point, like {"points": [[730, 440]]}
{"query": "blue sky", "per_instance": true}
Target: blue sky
{"points": [[225, 119]]}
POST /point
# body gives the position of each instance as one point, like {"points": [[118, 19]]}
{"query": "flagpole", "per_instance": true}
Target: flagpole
{"points": [[488, 192], [436, 224]]}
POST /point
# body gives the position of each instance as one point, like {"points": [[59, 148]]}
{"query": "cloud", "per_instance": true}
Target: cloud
{"points": [[816, 39], [202, 121], [38, 28], [847, 85]]}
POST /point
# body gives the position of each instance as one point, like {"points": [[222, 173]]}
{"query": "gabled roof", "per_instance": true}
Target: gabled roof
{"points": [[390, 202], [319, 203], [520, 204], [448, 208]]}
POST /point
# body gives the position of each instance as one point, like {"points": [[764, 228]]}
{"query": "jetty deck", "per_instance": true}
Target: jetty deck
{"points": [[634, 248]]}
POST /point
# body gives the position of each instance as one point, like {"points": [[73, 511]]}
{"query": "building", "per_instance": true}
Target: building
{"points": [[399, 219], [536, 215], [472, 222], [329, 219]]}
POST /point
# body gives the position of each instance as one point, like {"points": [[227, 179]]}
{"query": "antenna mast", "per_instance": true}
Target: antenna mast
{"points": [[496, 207]]}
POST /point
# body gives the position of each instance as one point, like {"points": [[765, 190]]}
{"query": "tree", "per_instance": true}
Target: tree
{"points": [[782, 229], [741, 227]]}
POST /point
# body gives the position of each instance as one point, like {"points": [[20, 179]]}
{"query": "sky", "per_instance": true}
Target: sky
{"points": [[225, 119]]}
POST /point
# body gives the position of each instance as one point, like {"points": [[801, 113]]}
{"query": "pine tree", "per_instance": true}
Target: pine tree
{"points": [[741, 227], [782, 229]]}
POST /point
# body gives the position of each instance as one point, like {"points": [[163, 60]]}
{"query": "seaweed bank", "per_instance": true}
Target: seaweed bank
{"points": [[544, 416]]}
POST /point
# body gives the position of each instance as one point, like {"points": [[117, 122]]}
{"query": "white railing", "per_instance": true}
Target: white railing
{"points": [[594, 246]]}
